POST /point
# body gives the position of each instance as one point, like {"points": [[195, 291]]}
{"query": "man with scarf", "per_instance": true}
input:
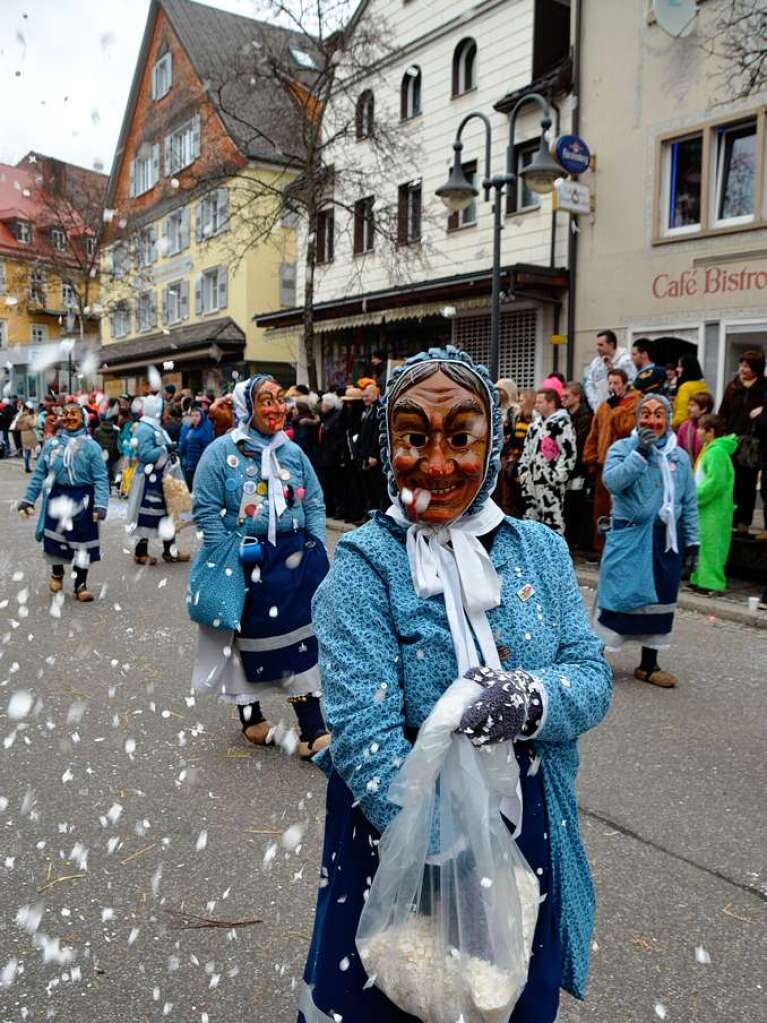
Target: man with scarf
{"points": [[653, 540], [445, 585], [259, 505], [71, 475], [147, 510]]}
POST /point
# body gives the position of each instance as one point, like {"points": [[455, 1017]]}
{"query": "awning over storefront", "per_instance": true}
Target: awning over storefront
{"points": [[210, 340], [421, 299]]}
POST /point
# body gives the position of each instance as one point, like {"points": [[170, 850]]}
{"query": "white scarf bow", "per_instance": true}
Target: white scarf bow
{"points": [[666, 512], [452, 561], [270, 471]]}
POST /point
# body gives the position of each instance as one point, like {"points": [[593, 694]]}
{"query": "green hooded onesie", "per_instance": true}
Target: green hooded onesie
{"points": [[715, 477]]}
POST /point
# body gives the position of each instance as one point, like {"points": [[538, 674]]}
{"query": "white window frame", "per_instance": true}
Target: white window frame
{"points": [[174, 290], [182, 146], [524, 149], [665, 190], [412, 79], [38, 333], [209, 209], [162, 76], [58, 239], [464, 48], [66, 290], [37, 284], [287, 285], [144, 169], [145, 309], [121, 316], [719, 134], [23, 232], [146, 247], [121, 265], [208, 285], [3, 333]]}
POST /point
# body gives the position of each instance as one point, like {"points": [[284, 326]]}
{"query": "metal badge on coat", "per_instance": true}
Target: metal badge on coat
{"points": [[233, 461], [526, 592]]}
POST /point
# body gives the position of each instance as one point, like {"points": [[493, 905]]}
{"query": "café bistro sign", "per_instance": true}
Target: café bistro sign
{"points": [[708, 280]]}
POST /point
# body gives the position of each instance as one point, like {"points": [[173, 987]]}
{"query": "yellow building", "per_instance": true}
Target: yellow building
{"points": [[193, 243]]}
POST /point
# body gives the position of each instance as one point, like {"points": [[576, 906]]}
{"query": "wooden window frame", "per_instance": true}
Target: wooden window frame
{"points": [[454, 219], [459, 57], [404, 207], [325, 241], [364, 226], [364, 115], [708, 226], [407, 87]]}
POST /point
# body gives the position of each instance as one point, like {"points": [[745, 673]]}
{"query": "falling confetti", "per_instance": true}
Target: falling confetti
{"points": [[20, 704]]}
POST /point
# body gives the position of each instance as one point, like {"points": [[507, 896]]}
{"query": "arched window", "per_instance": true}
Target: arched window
{"points": [[464, 67], [365, 114], [410, 93]]}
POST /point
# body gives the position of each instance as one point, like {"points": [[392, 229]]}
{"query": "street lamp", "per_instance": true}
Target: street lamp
{"points": [[67, 345], [458, 192]]}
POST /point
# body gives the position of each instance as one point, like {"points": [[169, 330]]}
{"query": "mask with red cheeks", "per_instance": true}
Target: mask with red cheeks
{"points": [[71, 418], [440, 437], [269, 408]]}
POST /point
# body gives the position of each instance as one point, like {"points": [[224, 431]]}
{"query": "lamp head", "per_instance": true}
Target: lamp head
{"points": [[542, 171], [458, 191]]}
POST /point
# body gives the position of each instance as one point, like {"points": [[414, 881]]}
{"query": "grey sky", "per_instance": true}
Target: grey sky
{"points": [[65, 71]]}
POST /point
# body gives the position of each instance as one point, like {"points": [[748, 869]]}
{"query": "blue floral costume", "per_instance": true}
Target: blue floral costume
{"points": [[386, 657]]}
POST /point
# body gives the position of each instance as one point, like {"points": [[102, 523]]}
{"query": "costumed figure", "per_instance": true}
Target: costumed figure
{"points": [[72, 478], [147, 509], [443, 586], [652, 540], [547, 462], [715, 480], [259, 505]]}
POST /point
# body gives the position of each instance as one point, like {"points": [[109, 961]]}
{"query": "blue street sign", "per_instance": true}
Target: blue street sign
{"points": [[572, 153]]}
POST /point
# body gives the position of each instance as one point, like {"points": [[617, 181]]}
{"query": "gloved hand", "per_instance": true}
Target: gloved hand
{"points": [[647, 438], [690, 562], [25, 508], [501, 711], [99, 514], [612, 400]]}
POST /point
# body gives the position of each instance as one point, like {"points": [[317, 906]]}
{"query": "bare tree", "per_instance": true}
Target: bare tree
{"points": [[738, 37]]}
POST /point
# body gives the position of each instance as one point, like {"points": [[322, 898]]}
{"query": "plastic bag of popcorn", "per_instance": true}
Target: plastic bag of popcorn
{"points": [[447, 929], [178, 499]]}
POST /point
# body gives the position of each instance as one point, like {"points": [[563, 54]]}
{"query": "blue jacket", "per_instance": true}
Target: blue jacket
{"points": [[192, 443], [151, 444], [626, 578], [88, 469], [386, 656], [219, 485]]}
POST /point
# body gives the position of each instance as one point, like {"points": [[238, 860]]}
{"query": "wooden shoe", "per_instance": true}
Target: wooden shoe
{"points": [[656, 677], [84, 595], [306, 750], [260, 734], [55, 585], [144, 559]]}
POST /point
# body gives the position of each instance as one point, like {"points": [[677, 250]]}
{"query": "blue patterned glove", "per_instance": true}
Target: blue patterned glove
{"points": [[503, 709]]}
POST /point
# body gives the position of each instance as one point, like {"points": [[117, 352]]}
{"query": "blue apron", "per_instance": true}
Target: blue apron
{"points": [[60, 545], [152, 507]]}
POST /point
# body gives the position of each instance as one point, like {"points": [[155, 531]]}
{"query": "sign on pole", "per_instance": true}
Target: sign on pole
{"points": [[571, 196]]}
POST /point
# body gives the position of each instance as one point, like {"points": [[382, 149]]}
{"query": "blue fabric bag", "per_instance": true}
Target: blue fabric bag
{"points": [[216, 589]]}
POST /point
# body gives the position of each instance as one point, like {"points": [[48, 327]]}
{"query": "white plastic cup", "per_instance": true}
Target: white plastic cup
{"points": [[753, 604]]}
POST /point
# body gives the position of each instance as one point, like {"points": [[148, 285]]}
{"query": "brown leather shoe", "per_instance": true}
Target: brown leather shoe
{"points": [[170, 558], [84, 595], [656, 677], [55, 584], [306, 750], [144, 559], [261, 734]]}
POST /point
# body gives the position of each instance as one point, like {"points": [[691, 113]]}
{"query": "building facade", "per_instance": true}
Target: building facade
{"points": [[677, 248], [183, 262], [47, 295], [430, 281]]}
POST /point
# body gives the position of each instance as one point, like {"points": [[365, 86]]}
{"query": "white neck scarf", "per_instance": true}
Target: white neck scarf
{"points": [[270, 471], [666, 513], [451, 560]]}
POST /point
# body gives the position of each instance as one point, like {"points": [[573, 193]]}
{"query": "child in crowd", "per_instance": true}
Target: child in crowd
{"points": [[688, 436], [715, 479]]}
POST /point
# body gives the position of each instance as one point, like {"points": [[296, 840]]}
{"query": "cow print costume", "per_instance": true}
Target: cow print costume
{"points": [[547, 462]]}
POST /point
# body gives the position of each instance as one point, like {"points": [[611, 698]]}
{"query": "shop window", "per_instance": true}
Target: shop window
{"points": [[551, 35], [364, 225], [735, 177], [409, 212], [410, 93], [365, 115], [467, 217], [681, 185], [464, 67]]}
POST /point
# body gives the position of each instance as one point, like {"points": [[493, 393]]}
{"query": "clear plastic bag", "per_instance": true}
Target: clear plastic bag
{"points": [[178, 499], [447, 929]]}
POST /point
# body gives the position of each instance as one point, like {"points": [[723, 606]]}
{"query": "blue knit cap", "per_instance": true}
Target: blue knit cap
{"points": [[448, 354]]}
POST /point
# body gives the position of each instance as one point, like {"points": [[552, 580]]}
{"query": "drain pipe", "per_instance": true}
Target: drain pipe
{"points": [[572, 243]]}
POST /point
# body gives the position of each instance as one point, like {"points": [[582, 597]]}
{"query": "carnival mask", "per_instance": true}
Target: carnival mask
{"points": [[439, 440], [652, 415], [269, 408], [71, 418]]}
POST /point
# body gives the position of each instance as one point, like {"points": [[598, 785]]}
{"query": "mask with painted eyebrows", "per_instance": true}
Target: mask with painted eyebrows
{"points": [[439, 440]]}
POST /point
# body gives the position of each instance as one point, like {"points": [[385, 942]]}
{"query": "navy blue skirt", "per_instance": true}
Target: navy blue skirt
{"points": [[667, 574], [152, 507], [82, 539], [276, 638], [349, 861]]}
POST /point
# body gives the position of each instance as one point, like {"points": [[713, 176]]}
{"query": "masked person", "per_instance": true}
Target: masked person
{"points": [[146, 503], [71, 475], [547, 462], [439, 585], [653, 538], [259, 505]]}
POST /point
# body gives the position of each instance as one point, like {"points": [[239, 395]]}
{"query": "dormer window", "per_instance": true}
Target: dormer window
{"points": [[162, 76], [23, 232], [58, 239]]}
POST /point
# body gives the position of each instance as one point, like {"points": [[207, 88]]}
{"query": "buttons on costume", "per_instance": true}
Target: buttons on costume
{"points": [[249, 487], [232, 484], [262, 489], [284, 474], [233, 461], [251, 470], [250, 509]]}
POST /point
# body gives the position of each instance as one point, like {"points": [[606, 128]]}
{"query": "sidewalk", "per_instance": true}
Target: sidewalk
{"points": [[730, 606]]}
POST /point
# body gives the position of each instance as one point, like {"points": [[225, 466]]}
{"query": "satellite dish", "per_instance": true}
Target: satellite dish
{"points": [[676, 17]]}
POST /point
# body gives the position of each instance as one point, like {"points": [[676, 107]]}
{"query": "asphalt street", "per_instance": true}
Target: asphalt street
{"points": [[153, 866]]}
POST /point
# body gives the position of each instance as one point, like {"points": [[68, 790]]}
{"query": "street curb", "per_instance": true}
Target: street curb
{"points": [[708, 606]]}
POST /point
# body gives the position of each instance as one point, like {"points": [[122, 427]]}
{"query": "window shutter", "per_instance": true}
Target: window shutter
{"points": [[155, 163], [152, 309], [169, 57], [223, 208], [222, 287], [195, 136], [167, 166], [198, 294], [132, 185], [112, 324], [184, 301], [184, 229], [154, 82], [153, 243], [198, 221], [165, 305]]}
